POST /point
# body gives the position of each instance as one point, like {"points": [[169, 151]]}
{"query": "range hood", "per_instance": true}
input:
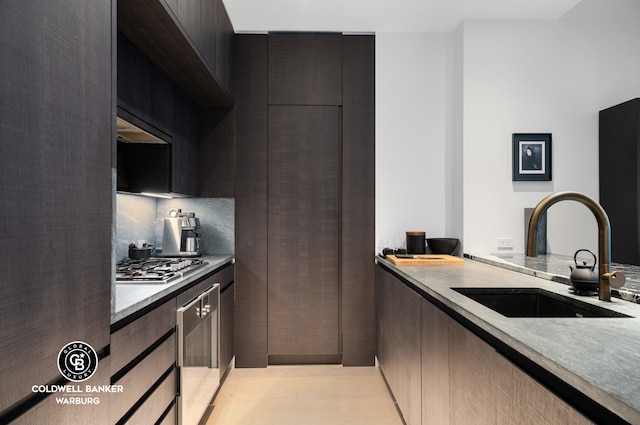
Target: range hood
{"points": [[129, 133]]}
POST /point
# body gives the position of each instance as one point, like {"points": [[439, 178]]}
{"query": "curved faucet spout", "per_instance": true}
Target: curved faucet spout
{"points": [[604, 234]]}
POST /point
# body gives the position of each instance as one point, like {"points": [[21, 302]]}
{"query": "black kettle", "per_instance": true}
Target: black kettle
{"points": [[583, 277]]}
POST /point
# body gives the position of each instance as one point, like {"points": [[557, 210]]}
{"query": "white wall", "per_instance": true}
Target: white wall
{"points": [[414, 125], [447, 105], [542, 77]]}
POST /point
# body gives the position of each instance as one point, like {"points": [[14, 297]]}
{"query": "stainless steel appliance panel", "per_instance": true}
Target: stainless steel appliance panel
{"points": [[198, 354]]}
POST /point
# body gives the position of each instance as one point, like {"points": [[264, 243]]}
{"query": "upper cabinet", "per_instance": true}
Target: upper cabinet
{"points": [[166, 159], [191, 41]]}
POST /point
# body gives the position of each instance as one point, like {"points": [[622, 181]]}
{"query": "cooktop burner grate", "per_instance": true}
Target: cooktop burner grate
{"points": [[155, 270]]}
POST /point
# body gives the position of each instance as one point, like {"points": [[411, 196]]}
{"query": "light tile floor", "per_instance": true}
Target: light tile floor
{"points": [[304, 395]]}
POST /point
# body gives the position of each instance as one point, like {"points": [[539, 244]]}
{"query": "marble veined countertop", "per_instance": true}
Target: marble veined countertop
{"points": [[556, 268], [599, 357]]}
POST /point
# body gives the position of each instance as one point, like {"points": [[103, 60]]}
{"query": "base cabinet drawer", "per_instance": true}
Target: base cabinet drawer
{"points": [[142, 378], [150, 412], [85, 407], [171, 416], [130, 341]]}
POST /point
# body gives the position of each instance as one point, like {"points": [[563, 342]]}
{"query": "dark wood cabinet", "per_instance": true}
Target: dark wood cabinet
{"points": [[399, 343], [144, 353], [143, 361], [148, 99], [227, 308], [305, 69], [304, 230], [619, 186], [217, 153], [56, 126], [184, 145], [486, 388], [190, 41], [357, 231], [286, 240], [441, 372], [472, 381], [435, 364], [251, 201]]}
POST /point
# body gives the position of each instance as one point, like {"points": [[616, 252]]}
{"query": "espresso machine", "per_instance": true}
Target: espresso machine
{"points": [[180, 237]]}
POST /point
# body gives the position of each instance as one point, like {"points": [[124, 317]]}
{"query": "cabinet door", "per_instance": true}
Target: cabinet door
{"points": [[217, 153], [226, 328], [435, 364], [486, 388], [56, 129], [184, 146], [521, 400], [143, 90], [251, 202], [473, 381], [189, 17], [400, 342], [358, 201], [305, 69], [303, 242]]}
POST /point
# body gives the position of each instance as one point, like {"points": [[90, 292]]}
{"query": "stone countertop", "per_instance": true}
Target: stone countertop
{"points": [[596, 356], [131, 297], [555, 267]]}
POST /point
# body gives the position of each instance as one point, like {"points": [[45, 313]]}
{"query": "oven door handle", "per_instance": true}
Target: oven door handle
{"points": [[196, 302], [205, 306]]}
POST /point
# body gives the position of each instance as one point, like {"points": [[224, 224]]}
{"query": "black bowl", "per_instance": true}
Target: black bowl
{"points": [[442, 245]]}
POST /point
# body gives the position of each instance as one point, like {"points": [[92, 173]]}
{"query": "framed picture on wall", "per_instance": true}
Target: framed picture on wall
{"points": [[532, 157]]}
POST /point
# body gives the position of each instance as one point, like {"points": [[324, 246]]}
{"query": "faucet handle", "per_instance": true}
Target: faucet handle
{"points": [[615, 280]]}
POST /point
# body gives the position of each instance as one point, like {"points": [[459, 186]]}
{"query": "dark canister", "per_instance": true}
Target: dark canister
{"points": [[415, 243]]}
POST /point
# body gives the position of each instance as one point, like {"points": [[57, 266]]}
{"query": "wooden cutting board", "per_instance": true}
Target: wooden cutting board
{"points": [[426, 260]]}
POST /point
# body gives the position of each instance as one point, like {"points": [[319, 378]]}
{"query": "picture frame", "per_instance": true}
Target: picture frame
{"points": [[532, 157]]}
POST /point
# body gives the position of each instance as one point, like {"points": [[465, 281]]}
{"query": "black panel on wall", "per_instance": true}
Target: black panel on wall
{"points": [[619, 173]]}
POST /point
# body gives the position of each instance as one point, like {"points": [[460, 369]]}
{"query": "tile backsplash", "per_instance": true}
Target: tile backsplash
{"points": [[141, 218]]}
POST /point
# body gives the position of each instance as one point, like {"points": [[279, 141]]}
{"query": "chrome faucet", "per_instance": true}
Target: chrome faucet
{"points": [[607, 279]]}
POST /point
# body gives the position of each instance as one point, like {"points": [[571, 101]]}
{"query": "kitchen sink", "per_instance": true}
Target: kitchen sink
{"points": [[534, 302]]}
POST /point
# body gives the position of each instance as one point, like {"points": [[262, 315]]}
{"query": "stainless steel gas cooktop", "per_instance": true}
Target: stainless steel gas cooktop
{"points": [[155, 270]]}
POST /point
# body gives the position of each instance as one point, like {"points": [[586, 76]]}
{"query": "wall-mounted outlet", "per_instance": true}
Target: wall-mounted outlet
{"points": [[505, 244]]}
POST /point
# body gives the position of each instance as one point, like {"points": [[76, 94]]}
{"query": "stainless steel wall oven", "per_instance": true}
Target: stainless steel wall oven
{"points": [[198, 354]]}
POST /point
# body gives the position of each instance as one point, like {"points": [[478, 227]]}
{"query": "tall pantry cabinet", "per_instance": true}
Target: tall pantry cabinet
{"points": [[56, 129], [305, 199]]}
